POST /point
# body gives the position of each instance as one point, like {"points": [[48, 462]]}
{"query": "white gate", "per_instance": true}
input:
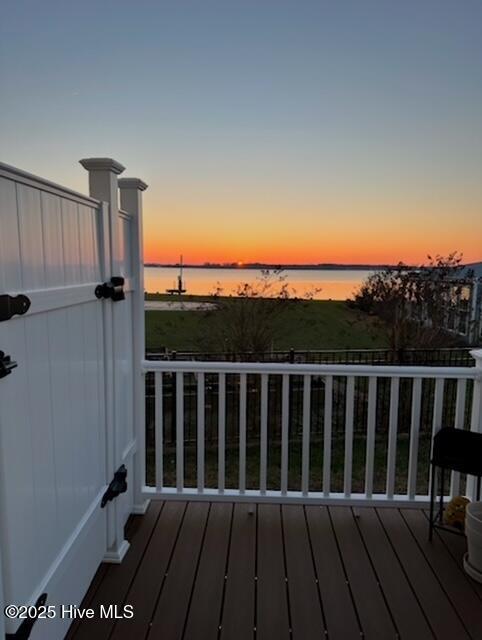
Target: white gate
{"points": [[66, 410]]}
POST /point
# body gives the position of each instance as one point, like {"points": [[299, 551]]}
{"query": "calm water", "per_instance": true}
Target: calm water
{"points": [[335, 285]]}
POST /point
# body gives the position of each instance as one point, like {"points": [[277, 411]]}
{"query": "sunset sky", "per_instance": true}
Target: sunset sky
{"points": [[268, 130]]}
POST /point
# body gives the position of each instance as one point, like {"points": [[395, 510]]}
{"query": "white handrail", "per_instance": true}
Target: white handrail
{"points": [[273, 368]]}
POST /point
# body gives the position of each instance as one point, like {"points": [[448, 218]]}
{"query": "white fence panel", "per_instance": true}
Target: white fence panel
{"points": [[52, 413]]}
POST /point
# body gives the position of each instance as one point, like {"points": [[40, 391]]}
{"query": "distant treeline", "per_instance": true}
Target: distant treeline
{"points": [[292, 267]]}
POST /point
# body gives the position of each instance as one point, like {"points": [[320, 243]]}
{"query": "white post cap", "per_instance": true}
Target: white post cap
{"points": [[132, 183], [102, 164]]}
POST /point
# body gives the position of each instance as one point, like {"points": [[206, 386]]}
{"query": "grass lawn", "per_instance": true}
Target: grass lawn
{"points": [[317, 324]]}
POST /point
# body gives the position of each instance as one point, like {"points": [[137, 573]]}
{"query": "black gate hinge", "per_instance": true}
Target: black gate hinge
{"points": [[13, 306], [118, 485], [6, 365], [25, 629], [114, 289]]}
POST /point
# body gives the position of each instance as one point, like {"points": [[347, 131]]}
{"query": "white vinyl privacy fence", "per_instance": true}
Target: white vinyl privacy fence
{"points": [[67, 407]]}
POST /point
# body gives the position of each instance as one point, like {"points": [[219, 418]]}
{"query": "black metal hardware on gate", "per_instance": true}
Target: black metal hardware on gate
{"points": [[6, 365], [25, 629], [114, 289], [13, 306], [118, 485]]}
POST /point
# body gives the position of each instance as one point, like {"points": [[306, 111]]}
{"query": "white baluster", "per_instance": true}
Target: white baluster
{"points": [[305, 448], [392, 435], [458, 424], [179, 431], [414, 437], [285, 418], [159, 429], [371, 424], [221, 431], [349, 415], [242, 432], [327, 423], [438, 403], [200, 431], [263, 434]]}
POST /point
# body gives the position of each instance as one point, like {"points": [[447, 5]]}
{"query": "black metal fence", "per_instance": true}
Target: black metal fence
{"points": [[446, 357]]}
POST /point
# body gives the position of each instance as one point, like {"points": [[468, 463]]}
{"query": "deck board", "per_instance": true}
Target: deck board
{"points": [[442, 617], [145, 588], [131, 528], [205, 609], [238, 615], [404, 606], [306, 612], [272, 619], [375, 618], [340, 613], [117, 579], [454, 580], [457, 547], [173, 604], [223, 571]]}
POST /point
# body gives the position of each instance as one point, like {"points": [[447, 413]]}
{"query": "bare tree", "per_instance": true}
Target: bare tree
{"points": [[414, 303], [248, 320]]}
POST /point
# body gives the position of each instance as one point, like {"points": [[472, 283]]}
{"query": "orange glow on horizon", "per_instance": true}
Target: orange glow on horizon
{"points": [[348, 252], [370, 231]]}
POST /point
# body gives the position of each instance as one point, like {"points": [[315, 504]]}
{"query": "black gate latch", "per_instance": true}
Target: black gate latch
{"points": [[113, 289], [6, 365], [117, 486], [24, 630], [13, 306]]}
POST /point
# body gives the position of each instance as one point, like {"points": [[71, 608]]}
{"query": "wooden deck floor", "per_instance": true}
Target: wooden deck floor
{"points": [[203, 571]]}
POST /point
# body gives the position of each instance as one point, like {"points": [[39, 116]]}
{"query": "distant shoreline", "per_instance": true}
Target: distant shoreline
{"points": [[291, 267]]}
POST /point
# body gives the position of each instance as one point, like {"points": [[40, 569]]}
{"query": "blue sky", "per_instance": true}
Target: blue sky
{"points": [[266, 123]]}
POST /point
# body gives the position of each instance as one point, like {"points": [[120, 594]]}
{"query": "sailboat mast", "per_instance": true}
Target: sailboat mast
{"points": [[179, 283]]}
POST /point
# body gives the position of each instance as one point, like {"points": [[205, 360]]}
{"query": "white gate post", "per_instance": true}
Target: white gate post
{"points": [[103, 186], [131, 201], [476, 415]]}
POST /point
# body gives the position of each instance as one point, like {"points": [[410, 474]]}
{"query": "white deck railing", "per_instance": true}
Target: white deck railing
{"points": [[351, 386]]}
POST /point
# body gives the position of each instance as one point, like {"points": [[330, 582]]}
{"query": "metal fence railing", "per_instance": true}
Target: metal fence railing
{"points": [[445, 357]]}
